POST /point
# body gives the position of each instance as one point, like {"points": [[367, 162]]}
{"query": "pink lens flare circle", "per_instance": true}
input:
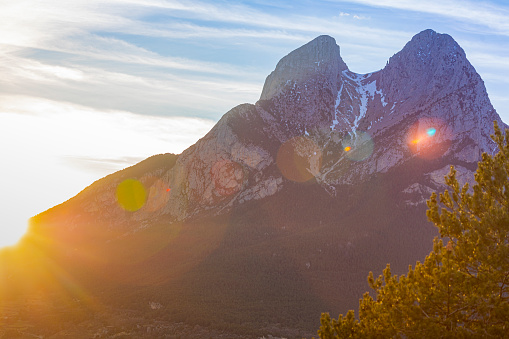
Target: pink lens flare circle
{"points": [[429, 138]]}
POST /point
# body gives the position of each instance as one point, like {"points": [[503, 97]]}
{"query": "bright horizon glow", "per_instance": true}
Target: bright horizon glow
{"points": [[10, 236], [93, 86]]}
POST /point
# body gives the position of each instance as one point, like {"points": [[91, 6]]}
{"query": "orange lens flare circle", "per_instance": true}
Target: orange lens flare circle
{"points": [[429, 138], [299, 159], [131, 195], [227, 176], [359, 146]]}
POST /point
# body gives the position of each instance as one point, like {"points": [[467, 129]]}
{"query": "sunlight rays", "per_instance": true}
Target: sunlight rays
{"points": [[36, 282]]}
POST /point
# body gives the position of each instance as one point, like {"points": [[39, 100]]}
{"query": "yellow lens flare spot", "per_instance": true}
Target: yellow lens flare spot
{"points": [[131, 195]]}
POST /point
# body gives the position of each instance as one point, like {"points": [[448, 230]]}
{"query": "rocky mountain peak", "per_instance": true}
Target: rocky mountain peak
{"points": [[317, 119], [431, 77], [431, 63], [431, 39], [428, 43], [318, 57]]}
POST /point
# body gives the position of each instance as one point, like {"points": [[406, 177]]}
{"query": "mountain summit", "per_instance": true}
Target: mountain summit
{"points": [[318, 58], [282, 209], [343, 126]]}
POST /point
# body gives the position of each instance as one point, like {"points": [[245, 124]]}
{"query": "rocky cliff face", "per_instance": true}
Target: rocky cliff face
{"points": [[317, 120], [428, 102]]}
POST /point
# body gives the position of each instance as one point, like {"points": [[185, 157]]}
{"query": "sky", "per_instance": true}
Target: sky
{"points": [[89, 87]]}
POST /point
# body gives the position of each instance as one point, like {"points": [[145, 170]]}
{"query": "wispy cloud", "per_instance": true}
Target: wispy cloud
{"points": [[127, 16], [83, 129], [99, 165], [497, 62], [111, 49], [248, 16], [99, 66], [124, 89], [489, 15]]}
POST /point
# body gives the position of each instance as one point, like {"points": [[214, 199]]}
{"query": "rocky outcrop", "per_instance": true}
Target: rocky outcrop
{"points": [[428, 102], [318, 58], [318, 120]]}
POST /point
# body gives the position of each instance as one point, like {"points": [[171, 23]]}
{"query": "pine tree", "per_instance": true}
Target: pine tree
{"points": [[461, 290]]}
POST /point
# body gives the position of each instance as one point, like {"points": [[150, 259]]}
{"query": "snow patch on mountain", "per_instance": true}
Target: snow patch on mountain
{"points": [[366, 92]]}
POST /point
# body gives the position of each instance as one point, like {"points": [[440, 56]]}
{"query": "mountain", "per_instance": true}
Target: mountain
{"points": [[282, 209]]}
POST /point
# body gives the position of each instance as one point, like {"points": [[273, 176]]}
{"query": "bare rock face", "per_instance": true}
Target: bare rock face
{"points": [[432, 78], [318, 58], [318, 120], [218, 168], [303, 87], [428, 102], [430, 65]]}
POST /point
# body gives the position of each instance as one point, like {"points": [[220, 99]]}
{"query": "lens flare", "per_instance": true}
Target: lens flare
{"points": [[358, 146], [429, 138], [131, 195], [299, 159]]}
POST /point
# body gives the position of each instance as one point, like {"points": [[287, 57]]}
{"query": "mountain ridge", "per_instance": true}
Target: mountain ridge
{"points": [[350, 107]]}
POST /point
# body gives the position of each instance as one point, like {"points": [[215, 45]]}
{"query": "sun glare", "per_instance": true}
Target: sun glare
{"points": [[11, 233]]}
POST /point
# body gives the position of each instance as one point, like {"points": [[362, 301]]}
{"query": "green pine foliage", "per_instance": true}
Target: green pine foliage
{"points": [[461, 290]]}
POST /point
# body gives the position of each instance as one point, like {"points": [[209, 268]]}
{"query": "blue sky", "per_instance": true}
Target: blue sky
{"points": [[92, 86]]}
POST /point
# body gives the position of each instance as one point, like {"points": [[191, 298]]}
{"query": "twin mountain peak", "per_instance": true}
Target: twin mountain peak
{"points": [[317, 121]]}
